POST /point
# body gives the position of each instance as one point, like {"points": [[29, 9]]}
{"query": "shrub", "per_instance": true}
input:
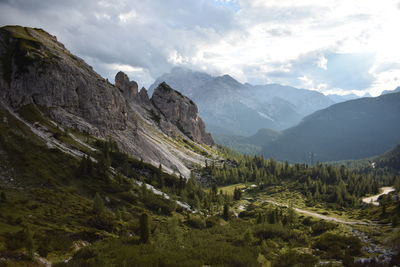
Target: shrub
{"points": [[294, 258], [104, 221], [196, 222], [267, 231], [338, 246], [322, 227], [212, 221]]}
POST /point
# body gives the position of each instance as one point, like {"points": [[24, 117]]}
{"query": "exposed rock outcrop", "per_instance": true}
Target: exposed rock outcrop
{"points": [[182, 111], [128, 88], [143, 96], [36, 69]]}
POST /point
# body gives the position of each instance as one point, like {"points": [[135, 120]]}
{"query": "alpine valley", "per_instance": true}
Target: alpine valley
{"points": [[94, 173]]}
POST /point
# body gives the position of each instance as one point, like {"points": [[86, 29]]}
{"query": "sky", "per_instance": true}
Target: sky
{"points": [[333, 46]]}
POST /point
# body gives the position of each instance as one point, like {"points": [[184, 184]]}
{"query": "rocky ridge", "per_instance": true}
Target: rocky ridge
{"points": [[182, 112], [36, 69]]}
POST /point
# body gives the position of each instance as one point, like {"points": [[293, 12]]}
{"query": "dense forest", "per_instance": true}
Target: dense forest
{"points": [[319, 182]]}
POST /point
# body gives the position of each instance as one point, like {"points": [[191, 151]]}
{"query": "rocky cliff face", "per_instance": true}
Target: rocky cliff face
{"points": [[36, 69], [182, 112], [128, 88]]}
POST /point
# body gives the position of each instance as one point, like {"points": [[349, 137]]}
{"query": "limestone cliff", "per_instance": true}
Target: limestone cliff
{"points": [[36, 69], [128, 88], [182, 112]]}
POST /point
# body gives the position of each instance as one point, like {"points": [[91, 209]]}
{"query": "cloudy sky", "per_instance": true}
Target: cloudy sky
{"points": [[337, 46]]}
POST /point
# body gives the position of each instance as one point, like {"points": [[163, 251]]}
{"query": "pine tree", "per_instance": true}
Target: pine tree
{"points": [[397, 183], [29, 243], [237, 194], [292, 216], [214, 189], [260, 218], [173, 230], [226, 212], [98, 204], [141, 163], [144, 228], [248, 236], [3, 197], [103, 164], [197, 203]]}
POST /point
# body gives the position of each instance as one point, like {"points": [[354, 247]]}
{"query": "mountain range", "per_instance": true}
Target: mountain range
{"points": [[354, 129], [232, 108]]}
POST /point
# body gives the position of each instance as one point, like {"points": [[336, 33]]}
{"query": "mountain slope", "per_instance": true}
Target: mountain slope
{"points": [[351, 130], [251, 145], [232, 108], [37, 70], [390, 159]]}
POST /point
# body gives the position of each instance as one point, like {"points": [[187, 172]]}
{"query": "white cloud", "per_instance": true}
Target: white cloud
{"points": [[322, 62], [309, 83], [255, 41], [124, 67], [126, 17]]}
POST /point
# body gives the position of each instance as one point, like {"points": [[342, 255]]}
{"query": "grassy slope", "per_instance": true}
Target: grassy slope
{"points": [[46, 194]]}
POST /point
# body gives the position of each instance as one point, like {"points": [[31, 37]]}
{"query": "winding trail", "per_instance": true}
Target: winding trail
{"points": [[374, 199], [370, 200], [379, 252], [320, 216]]}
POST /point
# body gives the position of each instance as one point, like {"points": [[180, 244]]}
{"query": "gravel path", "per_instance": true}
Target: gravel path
{"points": [[320, 216], [374, 199]]}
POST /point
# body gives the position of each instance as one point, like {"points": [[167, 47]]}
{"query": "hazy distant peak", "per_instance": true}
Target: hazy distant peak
{"points": [[342, 98], [227, 77], [391, 91], [228, 80], [179, 70], [367, 95]]}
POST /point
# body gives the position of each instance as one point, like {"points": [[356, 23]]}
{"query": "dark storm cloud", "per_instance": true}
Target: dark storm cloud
{"points": [[136, 33]]}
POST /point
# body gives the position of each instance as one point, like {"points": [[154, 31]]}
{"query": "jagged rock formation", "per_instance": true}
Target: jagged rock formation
{"points": [[182, 112], [36, 69], [128, 88], [144, 97]]}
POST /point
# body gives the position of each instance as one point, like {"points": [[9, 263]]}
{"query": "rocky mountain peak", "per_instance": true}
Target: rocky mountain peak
{"points": [[37, 71], [229, 80], [128, 88], [143, 96], [182, 111]]}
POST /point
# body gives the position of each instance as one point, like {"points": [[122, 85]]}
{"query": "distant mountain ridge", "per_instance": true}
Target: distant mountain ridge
{"points": [[397, 90], [342, 98], [230, 107], [355, 129]]}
